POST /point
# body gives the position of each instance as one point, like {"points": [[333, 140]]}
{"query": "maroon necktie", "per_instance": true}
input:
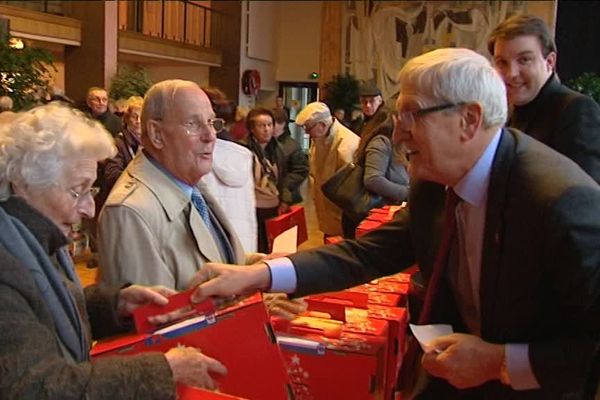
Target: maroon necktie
{"points": [[411, 373], [441, 259]]}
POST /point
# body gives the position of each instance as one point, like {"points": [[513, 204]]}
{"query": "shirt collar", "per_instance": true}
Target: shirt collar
{"points": [[187, 189], [473, 187]]}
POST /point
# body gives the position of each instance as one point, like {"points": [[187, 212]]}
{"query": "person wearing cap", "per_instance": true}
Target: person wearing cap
{"points": [[332, 147], [376, 115], [384, 164]]}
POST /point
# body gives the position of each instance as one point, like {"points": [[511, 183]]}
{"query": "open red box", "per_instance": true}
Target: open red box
{"points": [[281, 223], [240, 337]]}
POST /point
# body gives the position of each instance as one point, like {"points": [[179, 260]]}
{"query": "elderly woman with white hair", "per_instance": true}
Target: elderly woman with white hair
{"points": [[48, 159]]}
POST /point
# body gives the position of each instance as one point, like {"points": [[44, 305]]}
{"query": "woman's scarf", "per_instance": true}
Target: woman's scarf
{"points": [[18, 240]]}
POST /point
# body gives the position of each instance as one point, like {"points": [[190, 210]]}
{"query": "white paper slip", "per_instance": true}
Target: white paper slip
{"points": [[286, 242], [426, 333]]}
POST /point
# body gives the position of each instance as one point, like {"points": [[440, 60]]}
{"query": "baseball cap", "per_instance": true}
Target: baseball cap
{"points": [[314, 112]]}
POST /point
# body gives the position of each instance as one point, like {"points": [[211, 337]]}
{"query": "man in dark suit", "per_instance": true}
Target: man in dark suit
{"points": [[568, 121], [521, 284]]}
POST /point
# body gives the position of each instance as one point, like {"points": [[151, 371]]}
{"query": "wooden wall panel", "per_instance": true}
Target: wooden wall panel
{"points": [[331, 42]]}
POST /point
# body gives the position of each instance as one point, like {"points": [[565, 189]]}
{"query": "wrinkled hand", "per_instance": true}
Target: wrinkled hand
{"points": [[134, 296], [463, 360], [193, 368], [278, 304], [225, 280]]}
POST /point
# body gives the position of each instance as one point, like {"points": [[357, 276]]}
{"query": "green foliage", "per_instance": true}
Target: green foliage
{"points": [[587, 83], [128, 82], [342, 92], [23, 73]]}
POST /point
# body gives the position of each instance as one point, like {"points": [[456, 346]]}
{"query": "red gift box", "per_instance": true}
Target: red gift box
{"points": [[332, 239], [365, 226], [192, 393], [240, 337], [400, 290], [358, 309], [332, 359], [277, 225]]}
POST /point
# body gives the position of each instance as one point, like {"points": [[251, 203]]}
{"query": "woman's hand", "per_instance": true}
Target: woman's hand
{"points": [[193, 368], [134, 296]]}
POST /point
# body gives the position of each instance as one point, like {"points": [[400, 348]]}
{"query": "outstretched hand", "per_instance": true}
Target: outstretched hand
{"points": [[223, 280]]}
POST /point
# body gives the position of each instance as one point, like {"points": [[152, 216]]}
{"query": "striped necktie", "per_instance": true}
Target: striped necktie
{"points": [[224, 246]]}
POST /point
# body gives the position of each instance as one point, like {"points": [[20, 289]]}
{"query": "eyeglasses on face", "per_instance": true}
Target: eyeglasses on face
{"points": [[406, 119], [78, 196], [196, 127]]}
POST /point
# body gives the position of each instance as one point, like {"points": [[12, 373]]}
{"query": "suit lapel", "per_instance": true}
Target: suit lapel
{"points": [[494, 227], [175, 203]]}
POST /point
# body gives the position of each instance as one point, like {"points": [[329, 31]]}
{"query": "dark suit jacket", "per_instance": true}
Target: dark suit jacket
{"points": [[540, 272], [565, 120]]}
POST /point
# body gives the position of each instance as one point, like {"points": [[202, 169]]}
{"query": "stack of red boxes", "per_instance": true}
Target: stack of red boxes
{"points": [[347, 332], [331, 358], [376, 218], [240, 337]]}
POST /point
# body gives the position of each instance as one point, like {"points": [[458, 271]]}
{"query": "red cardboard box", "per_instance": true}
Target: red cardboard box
{"points": [[332, 359], [277, 225], [384, 287], [367, 225], [333, 239], [361, 310], [192, 393], [240, 337]]}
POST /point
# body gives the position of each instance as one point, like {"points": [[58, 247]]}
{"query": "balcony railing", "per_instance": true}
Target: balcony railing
{"points": [[186, 21], [46, 6]]}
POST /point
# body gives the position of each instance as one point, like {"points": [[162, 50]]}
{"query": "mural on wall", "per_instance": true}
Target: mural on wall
{"points": [[380, 36]]}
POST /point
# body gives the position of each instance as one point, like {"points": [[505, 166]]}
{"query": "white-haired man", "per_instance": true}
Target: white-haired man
{"points": [[520, 280], [332, 147]]}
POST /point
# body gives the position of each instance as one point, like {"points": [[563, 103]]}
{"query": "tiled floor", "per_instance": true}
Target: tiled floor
{"points": [[315, 238]]}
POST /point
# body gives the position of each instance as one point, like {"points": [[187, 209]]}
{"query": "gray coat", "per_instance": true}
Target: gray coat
{"points": [[32, 363]]}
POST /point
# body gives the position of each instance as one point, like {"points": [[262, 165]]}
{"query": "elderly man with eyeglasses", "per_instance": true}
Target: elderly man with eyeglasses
{"points": [[159, 225], [505, 231]]}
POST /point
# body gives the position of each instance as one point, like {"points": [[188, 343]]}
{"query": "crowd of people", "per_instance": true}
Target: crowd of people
{"points": [[499, 164]]}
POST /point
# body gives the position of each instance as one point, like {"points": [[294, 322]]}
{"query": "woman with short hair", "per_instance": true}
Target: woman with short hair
{"points": [[48, 158]]}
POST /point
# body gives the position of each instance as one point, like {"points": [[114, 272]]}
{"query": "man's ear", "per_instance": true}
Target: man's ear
{"points": [[155, 134], [551, 61], [471, 119]]}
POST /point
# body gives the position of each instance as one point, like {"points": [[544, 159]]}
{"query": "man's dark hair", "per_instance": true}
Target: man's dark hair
{"points": [[256, 112], [279, 116], [523, 25]]}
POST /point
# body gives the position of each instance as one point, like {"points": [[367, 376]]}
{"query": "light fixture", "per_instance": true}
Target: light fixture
{"points": [[16, 43]]}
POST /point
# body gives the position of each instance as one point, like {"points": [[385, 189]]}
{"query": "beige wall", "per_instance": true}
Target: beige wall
{"points": [[299, 38], [198, 74]]}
